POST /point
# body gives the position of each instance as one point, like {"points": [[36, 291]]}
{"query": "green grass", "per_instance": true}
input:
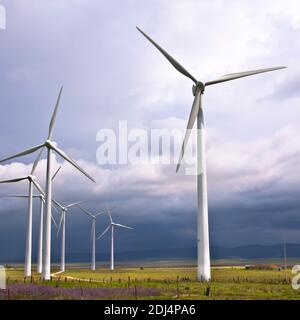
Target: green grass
{"points": [[227, 283]]}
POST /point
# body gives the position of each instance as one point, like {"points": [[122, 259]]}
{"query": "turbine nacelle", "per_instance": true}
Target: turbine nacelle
{"points": [[199, 86], [49, 144], [31, 177]]}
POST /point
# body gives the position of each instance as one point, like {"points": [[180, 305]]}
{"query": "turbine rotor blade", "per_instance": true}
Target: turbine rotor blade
{"points": [[104, 232], [60, 223], [52, 217], [58, 204], [40, 189], [53, 220], [53, 206], [36, 162], [175, 64], [18, 196], [75, 204], [109, 215], [92, 230], [23, 153], [193, 116], [99, 213], [14, 180], [86, 212], [237, 75], [72, 162], [56, 172], [54, 114], [122, 226]]}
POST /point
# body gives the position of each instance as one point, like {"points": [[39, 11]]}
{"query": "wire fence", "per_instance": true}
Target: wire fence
{"points": [[66, 287]]}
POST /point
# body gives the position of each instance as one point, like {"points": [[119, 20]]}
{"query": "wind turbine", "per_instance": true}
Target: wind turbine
{"points": [[50, 146], [93, 234], [197, 113], [31, 182], [40, 245], [62, 226], [112, 226], [41, 196]]}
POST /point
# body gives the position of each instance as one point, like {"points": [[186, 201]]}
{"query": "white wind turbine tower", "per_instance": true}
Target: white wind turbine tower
{"points": [[93, 234], [62, 226], [50, 146], [197, 113], [112, 226], [41, 222], [28, 250]]}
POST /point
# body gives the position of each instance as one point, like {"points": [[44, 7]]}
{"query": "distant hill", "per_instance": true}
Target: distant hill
{"points": [[240, 252]]}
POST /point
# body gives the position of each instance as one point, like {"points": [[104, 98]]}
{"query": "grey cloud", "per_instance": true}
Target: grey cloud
{"points": [[110, 73]]}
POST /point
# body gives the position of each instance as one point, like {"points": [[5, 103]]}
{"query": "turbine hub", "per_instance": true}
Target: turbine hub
{"points": [[31, 177], [48, 144], [199, 86]]}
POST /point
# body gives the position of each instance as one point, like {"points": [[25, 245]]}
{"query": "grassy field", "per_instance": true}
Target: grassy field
{"points": [[153, 283]]}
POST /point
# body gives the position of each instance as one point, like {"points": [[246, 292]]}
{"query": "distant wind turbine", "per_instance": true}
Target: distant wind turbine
{"points": [[62, 227], [93, 234], [50, 146], [197, 113], [112, 226], [32, 182], [41, 196]]}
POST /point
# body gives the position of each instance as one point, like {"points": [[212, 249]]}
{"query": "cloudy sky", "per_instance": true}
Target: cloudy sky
{"points": [[110, 73]]}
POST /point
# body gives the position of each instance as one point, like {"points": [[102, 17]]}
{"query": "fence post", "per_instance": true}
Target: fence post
{"points": [[135, 292], [208, 291], [8, 294]]}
